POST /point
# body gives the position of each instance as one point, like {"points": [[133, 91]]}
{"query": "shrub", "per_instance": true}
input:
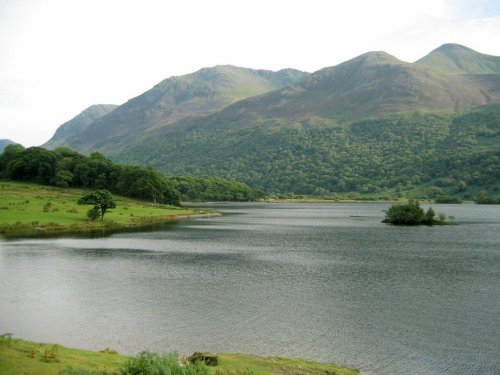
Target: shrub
{"points": [[447, 199], [147, 363], [484, 198], [405, 214]]}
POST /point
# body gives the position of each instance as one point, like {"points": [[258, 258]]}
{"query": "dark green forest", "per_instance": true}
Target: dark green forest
{"points": [[64, 168], [426, 153]]}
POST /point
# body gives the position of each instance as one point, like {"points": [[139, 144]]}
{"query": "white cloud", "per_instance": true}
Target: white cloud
{"points": [[66, 55]]}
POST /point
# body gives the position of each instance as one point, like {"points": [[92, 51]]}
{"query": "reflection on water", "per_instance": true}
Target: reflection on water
{"points": [[325, 282]]}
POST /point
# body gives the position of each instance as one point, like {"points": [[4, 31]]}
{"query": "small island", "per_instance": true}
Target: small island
{"points": [[412, 214]]}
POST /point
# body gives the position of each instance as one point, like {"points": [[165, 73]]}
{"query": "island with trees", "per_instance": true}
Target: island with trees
{"points": [[412, 214]]}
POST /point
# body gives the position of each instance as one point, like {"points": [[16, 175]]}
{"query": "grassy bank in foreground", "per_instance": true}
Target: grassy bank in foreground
{"points": [[30, 209], [24, 357]]}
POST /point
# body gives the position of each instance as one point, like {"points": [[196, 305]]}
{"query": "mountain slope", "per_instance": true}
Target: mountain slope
{"points": [[4, 143], [308, 136], [369, 124], [371, 85], [78, 124], [458, 153], [176, 98], [457, 59]]}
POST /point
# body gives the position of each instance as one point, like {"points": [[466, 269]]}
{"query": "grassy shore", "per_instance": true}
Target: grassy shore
{"points": [[36, 210], [24, 357]]}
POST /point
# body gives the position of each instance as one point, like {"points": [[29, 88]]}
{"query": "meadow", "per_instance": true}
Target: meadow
{"points": [[29, 209], [25, 357]]}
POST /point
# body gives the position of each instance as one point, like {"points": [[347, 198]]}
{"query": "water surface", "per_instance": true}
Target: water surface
{"points": [[327, 282]]}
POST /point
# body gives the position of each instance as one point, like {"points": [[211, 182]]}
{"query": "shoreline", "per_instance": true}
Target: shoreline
{"points": [[27, 230], [32, 358]]}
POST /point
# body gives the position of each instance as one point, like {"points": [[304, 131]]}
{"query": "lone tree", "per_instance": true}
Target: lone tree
{"points": [[102, 201]]}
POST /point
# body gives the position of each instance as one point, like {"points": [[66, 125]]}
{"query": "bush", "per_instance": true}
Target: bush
{"points": [[148, 363], [484, 198], [405, 214], [447, 199]]}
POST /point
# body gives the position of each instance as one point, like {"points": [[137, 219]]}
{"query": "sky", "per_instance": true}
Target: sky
{"points": [[58, 57]]}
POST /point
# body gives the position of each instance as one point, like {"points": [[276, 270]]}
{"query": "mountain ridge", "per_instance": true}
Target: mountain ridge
{"points": [[200, 93], [287, 139], [78, 124]]}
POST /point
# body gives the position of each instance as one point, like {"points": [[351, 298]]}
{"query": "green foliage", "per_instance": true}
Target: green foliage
{"points": [[405, 214], [484, 198], [147, 363], [411, 214], [214, 189], [447, 199], [102, 201], [66, 168], [459, 153], [93, 213]]}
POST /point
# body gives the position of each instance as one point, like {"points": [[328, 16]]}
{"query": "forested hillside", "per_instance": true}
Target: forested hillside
{"points": [[66, 168], [373, 124], [458, 153]]}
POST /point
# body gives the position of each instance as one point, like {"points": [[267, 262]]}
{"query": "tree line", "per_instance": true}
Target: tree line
{"points": [[64, 168]]}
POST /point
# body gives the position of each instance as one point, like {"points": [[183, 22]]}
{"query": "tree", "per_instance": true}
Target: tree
{"points": [[405, 214], [102, 201], [63, 178]]}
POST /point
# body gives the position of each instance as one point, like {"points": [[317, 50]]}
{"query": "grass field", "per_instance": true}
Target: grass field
{"points": [[20, 357], [30, 209]]}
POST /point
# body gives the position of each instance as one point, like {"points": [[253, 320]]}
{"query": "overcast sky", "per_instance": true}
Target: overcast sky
{"points": [[57, 57]]}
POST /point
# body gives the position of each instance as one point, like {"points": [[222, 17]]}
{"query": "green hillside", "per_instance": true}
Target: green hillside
{"points": [[458, 153], [457, 59], [78, 124], [203, 92], [373, 124]]}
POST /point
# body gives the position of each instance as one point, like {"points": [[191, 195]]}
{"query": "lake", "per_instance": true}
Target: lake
{"points": [[326, 282]]}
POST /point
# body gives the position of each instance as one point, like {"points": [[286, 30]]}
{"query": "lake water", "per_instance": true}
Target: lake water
{"points": [[327, 282]]}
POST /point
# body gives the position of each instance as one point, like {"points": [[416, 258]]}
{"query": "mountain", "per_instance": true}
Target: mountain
{"points": [[78, 124], [203, 92], [457, 59], [369, 85], [4, 143], [371, 124]]}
